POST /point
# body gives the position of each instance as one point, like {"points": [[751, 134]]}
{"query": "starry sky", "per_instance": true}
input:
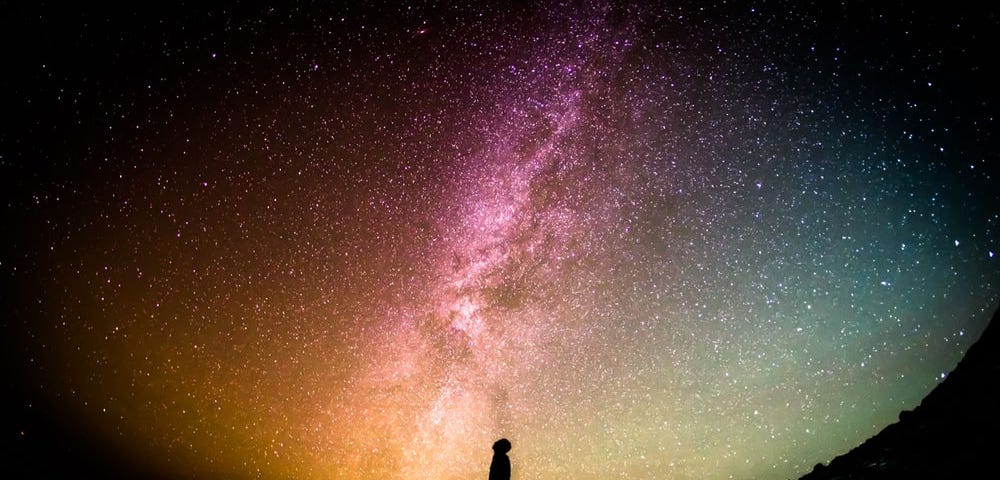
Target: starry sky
{"points": [[640, 240]]}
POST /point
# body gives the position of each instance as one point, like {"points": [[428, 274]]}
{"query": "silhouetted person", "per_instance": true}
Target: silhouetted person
{"points": [[500, 466]]}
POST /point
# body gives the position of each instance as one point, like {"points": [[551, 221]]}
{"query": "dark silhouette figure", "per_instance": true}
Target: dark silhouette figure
{"points": [[500, 466]]}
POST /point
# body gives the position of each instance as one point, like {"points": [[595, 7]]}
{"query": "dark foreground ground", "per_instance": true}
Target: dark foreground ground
{"points": [[952, 434]]}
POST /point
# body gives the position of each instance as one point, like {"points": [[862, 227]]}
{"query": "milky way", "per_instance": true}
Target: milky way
{"points": [[643, 241]]}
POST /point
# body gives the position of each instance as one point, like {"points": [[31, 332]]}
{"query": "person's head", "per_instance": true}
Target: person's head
{"points": [[501, 446]]}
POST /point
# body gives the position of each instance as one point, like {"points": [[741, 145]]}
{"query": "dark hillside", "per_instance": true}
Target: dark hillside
{"points": [[952, 434]]}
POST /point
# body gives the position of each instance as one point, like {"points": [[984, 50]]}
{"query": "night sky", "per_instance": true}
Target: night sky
{"points": [[645, 240]]}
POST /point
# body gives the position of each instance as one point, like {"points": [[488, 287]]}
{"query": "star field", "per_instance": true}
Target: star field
{"points": [[651, 240]]}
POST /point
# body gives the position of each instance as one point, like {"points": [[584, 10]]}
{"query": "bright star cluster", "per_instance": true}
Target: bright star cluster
{"points": [[640, 240]]}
